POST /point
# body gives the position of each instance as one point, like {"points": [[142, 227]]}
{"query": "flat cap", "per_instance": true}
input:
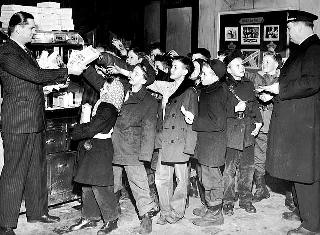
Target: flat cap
{"points": [[295, 15], [218, 67], [231, 55]]}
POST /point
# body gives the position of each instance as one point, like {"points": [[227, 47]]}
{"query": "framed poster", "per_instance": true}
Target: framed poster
{"points": [[231, 33], [250, 34], [251, 58], [271, 33]]}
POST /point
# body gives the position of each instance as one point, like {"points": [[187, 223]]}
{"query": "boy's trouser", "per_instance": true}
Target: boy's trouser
{"points": [[212, 182], [99, 201], [244, 162], [172, 202], [138, 182], [260, 152]]}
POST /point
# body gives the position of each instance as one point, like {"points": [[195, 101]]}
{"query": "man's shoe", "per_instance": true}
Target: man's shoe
{"points": [[248, 207], [44, 219], [228, 209], [213, 217], [301, 231], [82, 224], [6, 231], [200, 211], [292, 215], [108, 227]]}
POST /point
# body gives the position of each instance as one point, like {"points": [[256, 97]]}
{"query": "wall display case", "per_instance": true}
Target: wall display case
{"points": [[62, 110], [254, 32]]}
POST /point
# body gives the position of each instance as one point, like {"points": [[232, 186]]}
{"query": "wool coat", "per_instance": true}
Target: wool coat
{"points": [[134, 133], [177, 139], [294, 136], [210, 124], [94, 166]]}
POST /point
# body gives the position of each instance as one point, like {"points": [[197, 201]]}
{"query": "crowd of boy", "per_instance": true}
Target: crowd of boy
{"points": [[166, 109]]}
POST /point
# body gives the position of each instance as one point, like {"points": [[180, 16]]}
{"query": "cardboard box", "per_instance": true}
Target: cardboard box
{"points": [[65, 12], [49, 4]]}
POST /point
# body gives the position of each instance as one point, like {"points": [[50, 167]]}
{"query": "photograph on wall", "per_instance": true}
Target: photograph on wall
{"points": [[271, 33], [231, 33], [251, 58], [250, 34]]}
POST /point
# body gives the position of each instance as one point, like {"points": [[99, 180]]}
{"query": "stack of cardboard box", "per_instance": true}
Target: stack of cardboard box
{"points": [[48, 16]]}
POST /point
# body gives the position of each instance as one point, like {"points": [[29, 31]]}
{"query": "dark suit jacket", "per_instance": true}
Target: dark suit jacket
{"points": [[22, 80]]}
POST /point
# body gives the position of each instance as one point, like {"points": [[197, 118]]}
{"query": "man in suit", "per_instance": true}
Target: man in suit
{"points": [[23, 127], [293, 145]]}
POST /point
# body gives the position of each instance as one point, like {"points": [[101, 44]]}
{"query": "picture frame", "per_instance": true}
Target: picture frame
{"points": [[271, 33], [251, 58], [231, 33], [250, 34]]}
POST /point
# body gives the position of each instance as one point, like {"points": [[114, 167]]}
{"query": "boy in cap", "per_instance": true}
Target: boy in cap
{"points": [[243, 124], [294, 135], [211, 124]]}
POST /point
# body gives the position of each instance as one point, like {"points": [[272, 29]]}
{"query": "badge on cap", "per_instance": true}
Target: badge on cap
{"points": [[295, 15]]}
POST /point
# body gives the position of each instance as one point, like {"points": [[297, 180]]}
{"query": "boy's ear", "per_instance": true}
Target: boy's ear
{"points": [[185, 72]]}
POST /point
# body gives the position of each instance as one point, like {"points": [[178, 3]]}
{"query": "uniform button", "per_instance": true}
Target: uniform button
{"points": [[172, 127], [172, 141]]}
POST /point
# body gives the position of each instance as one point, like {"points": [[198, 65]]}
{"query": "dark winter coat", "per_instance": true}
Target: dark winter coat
{"points": [[294, 141], [94, 166], [210, 124], [177, 139], [239, 130], [134, 133]]}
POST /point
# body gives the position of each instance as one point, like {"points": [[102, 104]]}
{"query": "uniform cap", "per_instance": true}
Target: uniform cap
{"points": [[295, 15]]}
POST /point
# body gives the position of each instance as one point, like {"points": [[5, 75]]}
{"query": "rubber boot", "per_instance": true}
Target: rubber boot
{"points": [[262, 191]]}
